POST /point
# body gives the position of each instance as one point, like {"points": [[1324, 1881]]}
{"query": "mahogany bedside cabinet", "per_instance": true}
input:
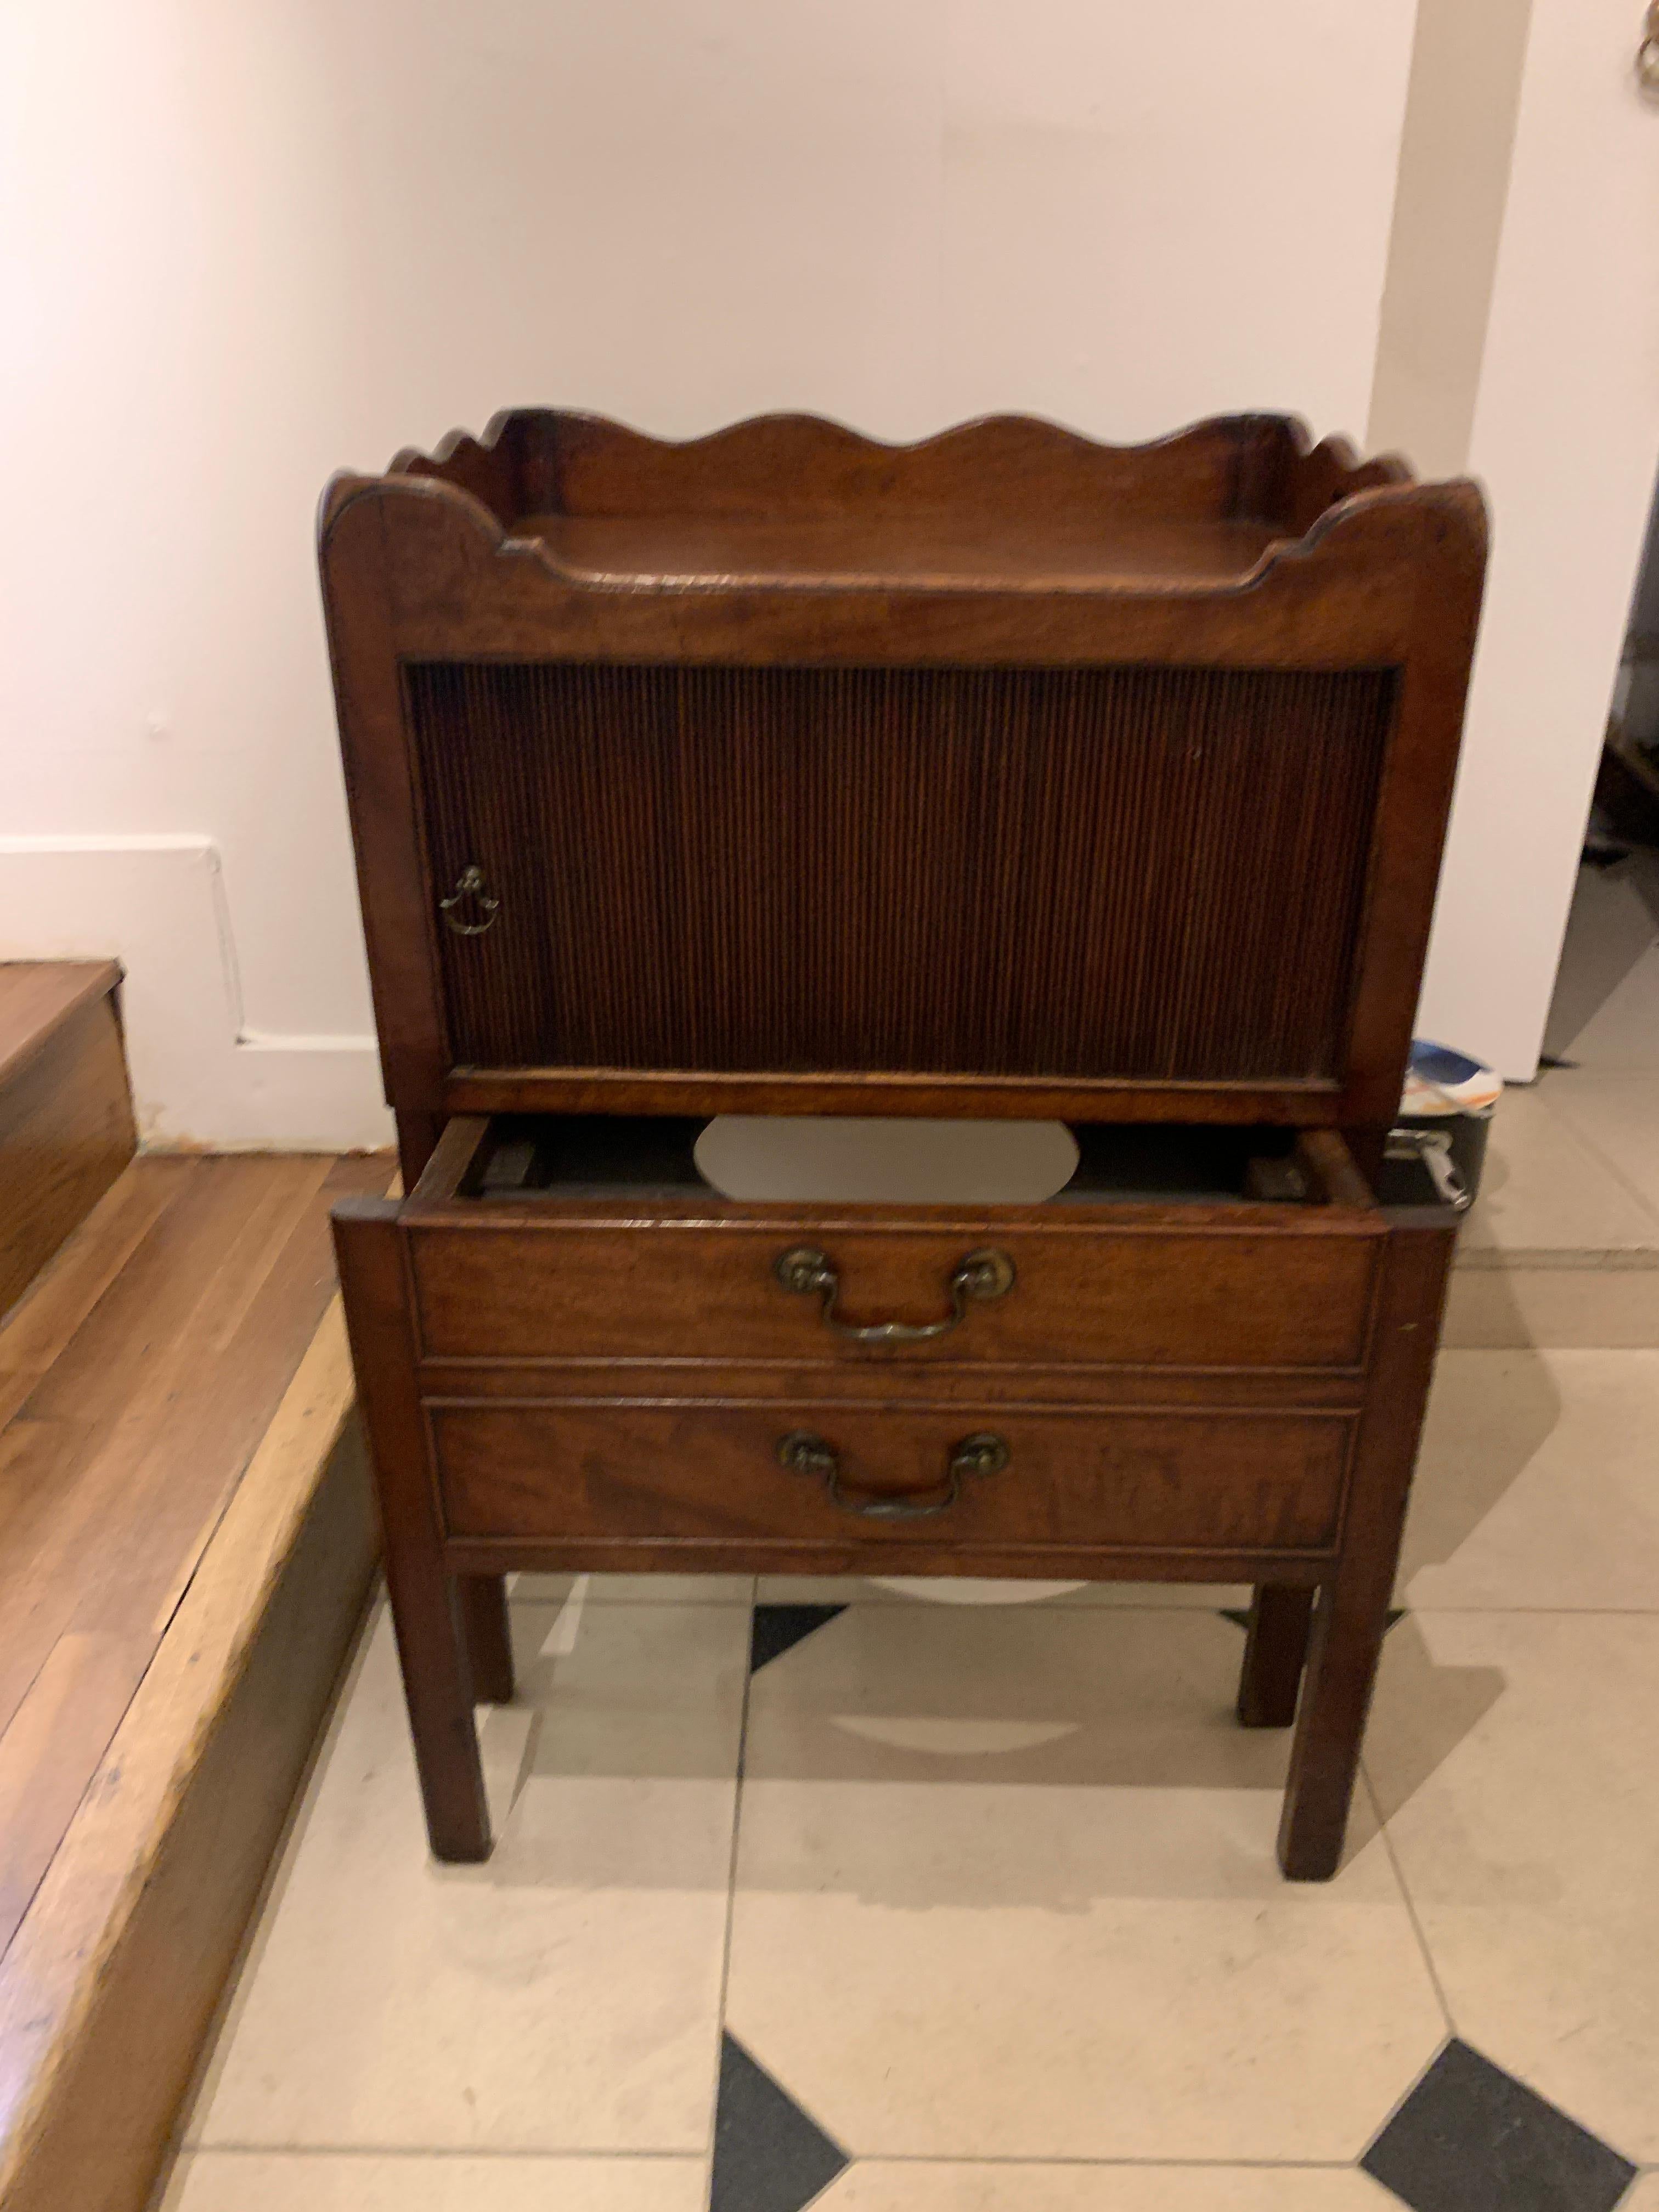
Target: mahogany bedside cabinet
{"points": [[1004, 775]]}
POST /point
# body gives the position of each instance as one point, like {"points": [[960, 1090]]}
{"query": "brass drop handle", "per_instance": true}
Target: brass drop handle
{"points": [[805, 1453], [980, 1275], [471, 892], [1647, 54]]}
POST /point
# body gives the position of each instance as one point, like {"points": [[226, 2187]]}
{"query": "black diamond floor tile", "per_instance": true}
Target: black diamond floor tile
{"points": [[1471, 2138], [1240, 1616], [769, 2156], [779, 1628]]}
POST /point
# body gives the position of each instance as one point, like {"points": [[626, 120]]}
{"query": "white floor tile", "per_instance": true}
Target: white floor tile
{"points": [[562, 1997], [1605, 1013], [1512, 1755], [632, 1590], [1006, 1888], [311, 2181], [960, 1589], [1596, 1307], [910, 2186], [1544, 1190], [1617, 1117], [1538, 1482]]}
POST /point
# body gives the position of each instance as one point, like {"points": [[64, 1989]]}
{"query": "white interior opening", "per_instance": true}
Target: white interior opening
{"points": [[836, 1160]]}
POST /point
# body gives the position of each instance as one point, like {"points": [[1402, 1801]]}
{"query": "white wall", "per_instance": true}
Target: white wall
{"points": [[1566, 438], [1461, 103], [259, 240]]}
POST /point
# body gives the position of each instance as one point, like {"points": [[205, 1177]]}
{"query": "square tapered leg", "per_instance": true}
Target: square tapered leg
{"points": [[1275, 1651], [430, 1607]]}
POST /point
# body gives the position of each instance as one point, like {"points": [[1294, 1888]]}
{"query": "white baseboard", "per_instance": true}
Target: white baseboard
{"points": [[157, 904]]}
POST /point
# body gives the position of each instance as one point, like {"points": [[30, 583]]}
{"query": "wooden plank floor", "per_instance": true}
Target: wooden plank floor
{"points": [[136, 1381]]}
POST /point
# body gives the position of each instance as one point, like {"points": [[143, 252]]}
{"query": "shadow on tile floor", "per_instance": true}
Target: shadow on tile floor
{"points": [[1116, 1729], [1538, 1486], [1612, 930], [1002, 1702], [1451, 1704], [1489, 1416]]}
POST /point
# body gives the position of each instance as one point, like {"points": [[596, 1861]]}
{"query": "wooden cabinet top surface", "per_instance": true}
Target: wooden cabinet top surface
{"points": [[904, 552]]}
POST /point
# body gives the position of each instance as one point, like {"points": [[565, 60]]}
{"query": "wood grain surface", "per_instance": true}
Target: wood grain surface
{"points": [[135, 1386], [66, 1126], [109, 1986], [1092, 874], [1090, 1293], [1237, 1482], [1008, 772]]}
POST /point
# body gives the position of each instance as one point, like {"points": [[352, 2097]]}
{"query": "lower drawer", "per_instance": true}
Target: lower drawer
{"points": [[813, 1472]]}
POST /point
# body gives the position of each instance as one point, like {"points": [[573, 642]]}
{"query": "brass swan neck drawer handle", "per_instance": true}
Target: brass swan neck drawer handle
{"points": [[803, 1452], [980, 1275], [470, 895]]}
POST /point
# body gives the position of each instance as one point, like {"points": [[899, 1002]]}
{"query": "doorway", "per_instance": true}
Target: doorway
{"points": [[1593, 1112], [1604, 1014]]}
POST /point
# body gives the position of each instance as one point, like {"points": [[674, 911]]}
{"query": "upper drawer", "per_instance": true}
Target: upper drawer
{"points": [[1201, 1294]]}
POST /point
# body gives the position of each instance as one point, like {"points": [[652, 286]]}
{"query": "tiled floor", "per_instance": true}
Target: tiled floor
{"points": [[1563, 1246], [831, 1892]]}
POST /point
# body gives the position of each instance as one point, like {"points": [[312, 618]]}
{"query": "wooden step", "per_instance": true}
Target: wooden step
{"points": [[66, 1126], [186, 1539]]}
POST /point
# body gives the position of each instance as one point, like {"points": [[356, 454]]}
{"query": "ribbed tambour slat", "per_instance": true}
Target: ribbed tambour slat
{"points": [[1152, 873]]}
